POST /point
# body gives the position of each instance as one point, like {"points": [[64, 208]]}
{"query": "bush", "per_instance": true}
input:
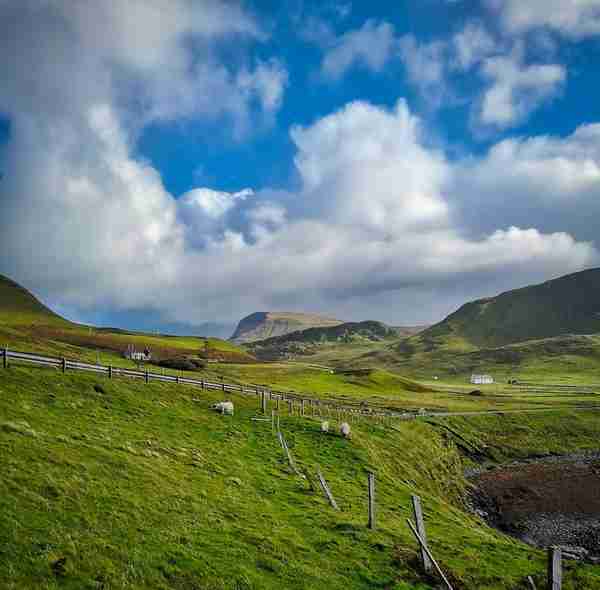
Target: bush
{"points": [[181, 364]]}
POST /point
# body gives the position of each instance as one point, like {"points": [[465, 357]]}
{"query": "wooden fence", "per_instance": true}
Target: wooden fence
{"points": [[554, 576], [296, 402]]}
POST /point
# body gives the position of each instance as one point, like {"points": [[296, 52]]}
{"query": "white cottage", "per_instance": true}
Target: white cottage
{"points": [[135, 355], [482, 379]]}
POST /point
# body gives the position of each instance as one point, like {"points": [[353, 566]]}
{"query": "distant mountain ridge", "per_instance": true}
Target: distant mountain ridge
{"points": [[308, 341], [566, 305], [268, 324]]}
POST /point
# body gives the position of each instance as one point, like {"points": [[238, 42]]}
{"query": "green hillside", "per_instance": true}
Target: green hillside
{"points": [[27, 324], [567, 305], [121, 485], [19, 307], [310, 340]]}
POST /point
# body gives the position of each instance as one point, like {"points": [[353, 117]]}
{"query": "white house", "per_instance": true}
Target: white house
{"points": [[134, 355], [482, 379]]}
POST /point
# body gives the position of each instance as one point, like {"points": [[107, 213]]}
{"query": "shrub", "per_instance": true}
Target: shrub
{"points": [[181, 364]]}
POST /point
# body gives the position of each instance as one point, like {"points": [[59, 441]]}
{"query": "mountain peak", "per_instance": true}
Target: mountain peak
{"points": [[267, 324]]}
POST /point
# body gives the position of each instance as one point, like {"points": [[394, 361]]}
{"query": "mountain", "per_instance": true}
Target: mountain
{"points": [[267, 324], [307, 341], [567, 305]]}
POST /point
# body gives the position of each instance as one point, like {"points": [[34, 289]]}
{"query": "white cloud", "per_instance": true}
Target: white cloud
{"points": [[377, 217], [85, 221], [370, 46], [572, 18], [516, 89], [425, 65], [552, 180], [472, 45]]}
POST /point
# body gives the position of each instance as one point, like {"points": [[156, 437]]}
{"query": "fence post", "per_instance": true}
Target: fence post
{"points": [[426, 549], [290, 407], [273, 421], [277, 403], [5, 357], [177, 379], [371, 500], [418, 512], [302, 408], [201, 383], [110, 371], [554, 568], [264, 402], [327, 491], [147, 376], [64, 365]]}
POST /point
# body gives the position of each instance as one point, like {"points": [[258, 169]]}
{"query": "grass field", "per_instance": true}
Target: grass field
{"points": [[140, 486]]}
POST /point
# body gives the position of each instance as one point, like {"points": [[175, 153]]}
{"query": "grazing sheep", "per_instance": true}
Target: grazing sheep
{"points": [[345, 429], [224, 408], [325, 426]]}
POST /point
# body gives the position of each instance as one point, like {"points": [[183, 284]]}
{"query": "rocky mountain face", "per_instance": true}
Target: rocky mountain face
{"points": [[262, 325]]}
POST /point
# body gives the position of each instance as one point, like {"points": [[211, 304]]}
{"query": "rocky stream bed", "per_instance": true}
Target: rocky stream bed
{"points": [[544, 501]]}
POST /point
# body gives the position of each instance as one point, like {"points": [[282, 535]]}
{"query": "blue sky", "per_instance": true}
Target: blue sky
{"points": [[169, 164], [191, 152]]}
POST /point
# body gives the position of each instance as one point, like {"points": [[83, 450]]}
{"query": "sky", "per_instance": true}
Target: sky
{"points": [[165, 164]]}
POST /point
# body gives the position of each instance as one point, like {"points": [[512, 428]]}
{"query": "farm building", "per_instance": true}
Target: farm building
{"points": [[134, 355], [482, 379]]}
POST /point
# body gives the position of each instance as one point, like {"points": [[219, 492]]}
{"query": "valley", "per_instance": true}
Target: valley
{"points": [[91, 461]]}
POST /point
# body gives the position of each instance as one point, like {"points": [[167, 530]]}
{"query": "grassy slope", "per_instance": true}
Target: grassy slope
{"points": [[131, 488], [568, 359], [28, 325], [19, 307], [567, 305]]}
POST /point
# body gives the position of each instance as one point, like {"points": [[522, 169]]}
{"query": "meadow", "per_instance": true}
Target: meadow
{"points": [[120, 484]]}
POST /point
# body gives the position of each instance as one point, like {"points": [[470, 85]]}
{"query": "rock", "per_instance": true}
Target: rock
{"points": [[234, 481]]}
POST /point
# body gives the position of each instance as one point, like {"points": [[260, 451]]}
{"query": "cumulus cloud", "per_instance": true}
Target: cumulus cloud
{"points": [[376, 218], [572, 18], [203, 212], [552, 180], [370, 46], [516, 89], [101, 225]]}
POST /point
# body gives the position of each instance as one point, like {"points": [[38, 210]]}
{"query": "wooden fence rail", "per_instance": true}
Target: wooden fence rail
{"points": [[112, 371]]}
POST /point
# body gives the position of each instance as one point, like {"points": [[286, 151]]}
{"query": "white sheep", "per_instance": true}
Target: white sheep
{"points": [[224, 408], [345, 429], [325, 426]]}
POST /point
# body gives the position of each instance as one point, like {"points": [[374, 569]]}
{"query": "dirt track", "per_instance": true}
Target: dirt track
{"points": [[554, 501]]}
